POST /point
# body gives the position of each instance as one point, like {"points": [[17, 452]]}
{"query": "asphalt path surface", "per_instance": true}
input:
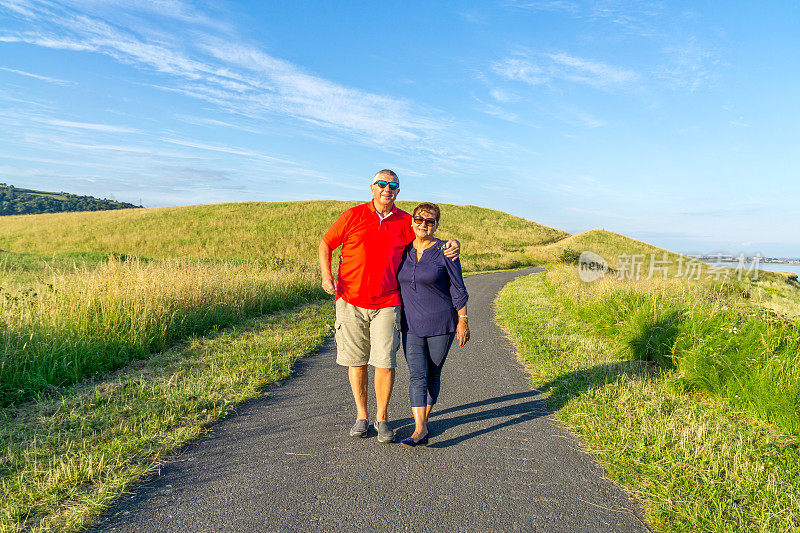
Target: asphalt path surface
{"points": [[497, 460]]}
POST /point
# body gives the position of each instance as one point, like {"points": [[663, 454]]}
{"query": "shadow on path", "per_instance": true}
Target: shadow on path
{"points": [[520, 412]]}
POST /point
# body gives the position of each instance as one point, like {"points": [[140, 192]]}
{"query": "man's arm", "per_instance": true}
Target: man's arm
{"points": [[325, 253], [452, 249]]}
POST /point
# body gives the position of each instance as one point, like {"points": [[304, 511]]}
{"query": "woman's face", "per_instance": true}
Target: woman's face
{"points": [[422, 228]]}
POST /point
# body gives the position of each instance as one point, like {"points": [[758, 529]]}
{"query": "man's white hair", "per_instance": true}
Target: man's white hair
{"points": [[384, 172]]}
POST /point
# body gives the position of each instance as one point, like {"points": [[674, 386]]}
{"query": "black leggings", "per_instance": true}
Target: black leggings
{"points": [[425, 357]]}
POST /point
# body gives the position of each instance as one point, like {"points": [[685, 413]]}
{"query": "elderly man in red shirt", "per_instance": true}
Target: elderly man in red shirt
{"points": [[367, 331]]}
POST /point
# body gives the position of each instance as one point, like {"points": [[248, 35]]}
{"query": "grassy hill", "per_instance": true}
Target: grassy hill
{"points": [[276, 232], [15, 201], [88, 292]]}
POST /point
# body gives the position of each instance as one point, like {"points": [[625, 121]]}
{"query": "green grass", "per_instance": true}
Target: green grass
{"points": [[694, 460], [65, 459], [707, 332]]}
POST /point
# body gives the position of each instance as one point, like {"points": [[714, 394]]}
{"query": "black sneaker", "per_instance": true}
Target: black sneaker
{"points": [[360, 428], [385, 433]]}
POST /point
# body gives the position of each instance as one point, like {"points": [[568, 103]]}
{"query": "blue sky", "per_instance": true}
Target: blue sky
{"points": [[673, 122]]}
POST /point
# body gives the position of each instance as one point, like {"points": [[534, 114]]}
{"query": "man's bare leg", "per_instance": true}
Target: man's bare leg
{"points": [[358, 383], [384, 381]]}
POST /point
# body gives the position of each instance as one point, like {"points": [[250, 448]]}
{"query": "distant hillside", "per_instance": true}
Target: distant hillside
{"points": [[14, 201], [608, 244]]}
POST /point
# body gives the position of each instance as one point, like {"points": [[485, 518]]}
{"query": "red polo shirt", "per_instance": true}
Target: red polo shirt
{"points": [[371, 252]]}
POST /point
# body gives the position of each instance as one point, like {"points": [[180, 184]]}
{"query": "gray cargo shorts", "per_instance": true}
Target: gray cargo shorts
{"points": [[366, 336]]}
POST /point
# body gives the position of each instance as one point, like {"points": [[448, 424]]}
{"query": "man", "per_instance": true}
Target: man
{"points": [[367, 332]]}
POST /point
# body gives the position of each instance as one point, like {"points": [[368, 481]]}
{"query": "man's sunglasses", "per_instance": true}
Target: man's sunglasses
{"points": [[393, 185], [427, 221]]}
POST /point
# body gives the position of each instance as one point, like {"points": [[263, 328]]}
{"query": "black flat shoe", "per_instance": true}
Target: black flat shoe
{"points": [[409, 441]]}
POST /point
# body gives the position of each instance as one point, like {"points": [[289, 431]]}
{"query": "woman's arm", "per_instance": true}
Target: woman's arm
{"points": [[462, 328]]}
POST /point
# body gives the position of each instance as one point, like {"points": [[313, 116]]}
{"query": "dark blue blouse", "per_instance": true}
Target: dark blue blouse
{"points": [[432, 291]]}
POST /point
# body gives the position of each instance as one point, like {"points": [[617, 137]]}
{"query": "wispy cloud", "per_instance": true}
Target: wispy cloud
{"points": [[521, 70], [545, 5], [680, 58], [225, 149], [497, 111], [203, 121], [48, 79], [323, 102], [592, 73], [88, 126], [689, 66], [584, 118], [546, 68], [503, 96], [218, 68], [22, 119], [639, 18]]}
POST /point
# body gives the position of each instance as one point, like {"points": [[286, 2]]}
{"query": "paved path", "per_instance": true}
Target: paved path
{"points": [[497, 460]]}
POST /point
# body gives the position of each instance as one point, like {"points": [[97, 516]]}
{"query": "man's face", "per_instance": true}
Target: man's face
{"points": [[385, 196]]}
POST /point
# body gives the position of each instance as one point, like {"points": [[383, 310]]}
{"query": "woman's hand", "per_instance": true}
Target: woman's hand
{"points": [[462, 332]]}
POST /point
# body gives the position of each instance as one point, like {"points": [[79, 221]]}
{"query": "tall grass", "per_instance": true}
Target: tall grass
{"points": [[95, 319], [715, 341]]}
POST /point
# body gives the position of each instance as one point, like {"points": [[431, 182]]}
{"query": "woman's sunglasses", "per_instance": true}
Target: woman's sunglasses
{"points": [[393, 185], [427, 221]]}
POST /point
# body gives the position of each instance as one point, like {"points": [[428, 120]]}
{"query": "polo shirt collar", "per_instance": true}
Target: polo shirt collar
{"points": [[394, 210]]}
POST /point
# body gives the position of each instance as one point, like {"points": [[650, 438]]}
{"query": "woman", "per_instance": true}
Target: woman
{"points": [[434, 312]]}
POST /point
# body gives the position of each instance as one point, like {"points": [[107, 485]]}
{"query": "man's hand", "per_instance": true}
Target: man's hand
{"points": [[452, 249], [329, 286], [328, 283]]}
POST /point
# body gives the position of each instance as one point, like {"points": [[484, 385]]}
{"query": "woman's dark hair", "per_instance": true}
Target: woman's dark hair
{"points": [[433, 209]]}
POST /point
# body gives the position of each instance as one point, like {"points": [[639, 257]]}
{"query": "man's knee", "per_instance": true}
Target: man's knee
{"points": [[384, 373]]}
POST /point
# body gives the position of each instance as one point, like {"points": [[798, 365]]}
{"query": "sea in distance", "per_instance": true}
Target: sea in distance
{"points": [[775, 267]]}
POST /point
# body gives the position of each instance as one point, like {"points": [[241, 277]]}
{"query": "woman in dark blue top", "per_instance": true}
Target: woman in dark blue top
{"points": [[434, 312]]}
